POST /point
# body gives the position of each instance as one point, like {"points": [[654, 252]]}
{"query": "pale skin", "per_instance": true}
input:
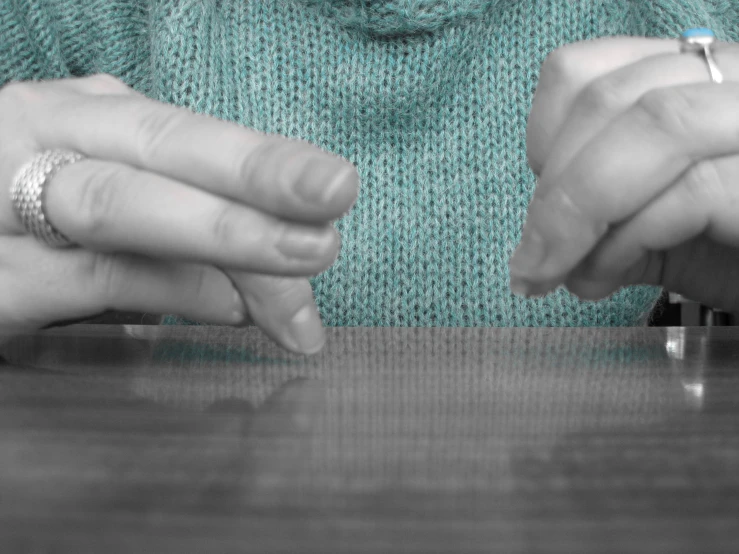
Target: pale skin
{"points": [[173, 212], [637, 154]]}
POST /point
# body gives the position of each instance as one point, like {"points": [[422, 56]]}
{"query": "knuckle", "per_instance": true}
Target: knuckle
{"points": [[18, 92], [602, 96], [253, 161], [224, 226], [568, 203], [665, 109], [155, 129], [703, 182], [560, 65], [280, 294], [98, 200], [107, 273], [277, 288]]}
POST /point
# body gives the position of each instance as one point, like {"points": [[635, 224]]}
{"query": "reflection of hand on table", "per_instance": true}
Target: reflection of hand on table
{"points": [[104, 448]]}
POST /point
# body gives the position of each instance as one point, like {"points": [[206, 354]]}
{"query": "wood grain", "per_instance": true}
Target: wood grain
{"points": [[212, 439]]}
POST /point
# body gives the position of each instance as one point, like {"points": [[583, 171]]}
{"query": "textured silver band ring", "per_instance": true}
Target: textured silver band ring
{"points": [[701, 41], [28, 193]]}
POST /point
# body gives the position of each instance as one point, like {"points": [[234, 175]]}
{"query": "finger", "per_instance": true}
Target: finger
{"points": [[284, 309], [42, 285], [286, 177], [593, 106], [112, 207], [701, 203], [628, 164], [612, 94], [566, 72], [701, 269]]}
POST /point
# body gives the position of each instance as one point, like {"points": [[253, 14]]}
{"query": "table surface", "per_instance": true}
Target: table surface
{"points": [[212, 439]]}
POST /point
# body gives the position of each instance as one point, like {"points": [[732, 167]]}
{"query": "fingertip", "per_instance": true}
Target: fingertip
{"points": [[306, 332], [343, 192], [329, 184]]}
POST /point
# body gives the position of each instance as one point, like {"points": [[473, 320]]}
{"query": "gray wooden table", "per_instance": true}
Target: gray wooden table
{"points": [[207, 439]]}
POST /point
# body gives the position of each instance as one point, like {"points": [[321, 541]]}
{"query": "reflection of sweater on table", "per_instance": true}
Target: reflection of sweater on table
{"points": [[434, 121]]}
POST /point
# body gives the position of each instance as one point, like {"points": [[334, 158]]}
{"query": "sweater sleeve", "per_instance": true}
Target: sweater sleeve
{"points": [[42, 40]]}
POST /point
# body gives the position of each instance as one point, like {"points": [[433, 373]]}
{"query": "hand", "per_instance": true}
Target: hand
{"points": [[637, 154], [174, 212]]}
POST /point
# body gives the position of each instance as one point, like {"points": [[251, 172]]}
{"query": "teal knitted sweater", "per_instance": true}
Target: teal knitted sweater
{"points": [[428, 98]]}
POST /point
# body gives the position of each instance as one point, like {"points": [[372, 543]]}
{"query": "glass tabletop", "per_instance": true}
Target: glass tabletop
{"points": [[213, 439]]}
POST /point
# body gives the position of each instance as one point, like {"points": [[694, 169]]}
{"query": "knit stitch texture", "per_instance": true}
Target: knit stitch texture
{"points": [[428, 98]]}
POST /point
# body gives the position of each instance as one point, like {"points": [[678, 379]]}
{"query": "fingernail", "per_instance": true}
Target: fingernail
{"points": [[306, 243], [529, 255], [307, 331], [324, 179], [239, 310]]}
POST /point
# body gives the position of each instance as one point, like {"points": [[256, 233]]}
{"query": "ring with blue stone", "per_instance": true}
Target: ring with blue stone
{"points": [[700, 40]]}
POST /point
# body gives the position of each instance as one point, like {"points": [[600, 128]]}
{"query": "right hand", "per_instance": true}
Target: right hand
{"points": [[174, 212]]}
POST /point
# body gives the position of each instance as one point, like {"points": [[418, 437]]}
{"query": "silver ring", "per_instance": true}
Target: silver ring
{"points": [[28, 193], [701, 41]]}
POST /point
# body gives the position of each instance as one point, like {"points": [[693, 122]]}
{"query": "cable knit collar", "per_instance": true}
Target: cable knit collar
{"points": [[397, 18]]}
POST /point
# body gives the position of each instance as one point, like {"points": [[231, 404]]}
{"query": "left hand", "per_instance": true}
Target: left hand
{"points": [[637, 153]]}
